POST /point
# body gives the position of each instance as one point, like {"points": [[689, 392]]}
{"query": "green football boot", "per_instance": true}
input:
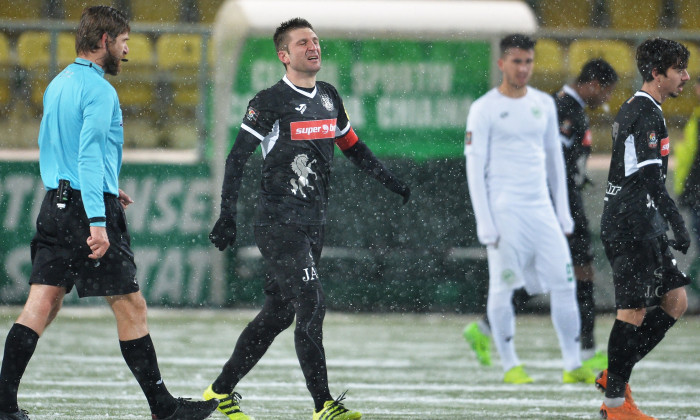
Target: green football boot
{"points": [[229, 404], [335, 410], [598, 362], [517, 375], [582, 375], [479, 342]]}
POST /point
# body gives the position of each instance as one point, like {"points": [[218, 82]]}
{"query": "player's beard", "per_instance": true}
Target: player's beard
{"points": [[112, 63]]}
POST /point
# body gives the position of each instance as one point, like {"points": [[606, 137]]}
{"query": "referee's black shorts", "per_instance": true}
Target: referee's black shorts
{"points": [[60, 251], [643, 271]]}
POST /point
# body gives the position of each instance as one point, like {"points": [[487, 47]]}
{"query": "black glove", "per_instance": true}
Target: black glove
{"points": [[224, 233], [681, 241]]}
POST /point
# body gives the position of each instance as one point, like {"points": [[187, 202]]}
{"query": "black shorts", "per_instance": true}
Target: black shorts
{"points": [[643, 272], [291, 253], [60, 251], [580, 239]]}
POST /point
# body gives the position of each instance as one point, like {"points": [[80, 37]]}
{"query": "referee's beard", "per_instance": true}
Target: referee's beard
{"points": [[112, 64]]}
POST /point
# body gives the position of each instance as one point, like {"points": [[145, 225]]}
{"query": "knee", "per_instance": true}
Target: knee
{"points": [[675, 303]]}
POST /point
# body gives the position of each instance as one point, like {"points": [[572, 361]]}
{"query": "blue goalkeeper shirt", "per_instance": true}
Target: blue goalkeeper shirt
{"points": [[81, 136]]}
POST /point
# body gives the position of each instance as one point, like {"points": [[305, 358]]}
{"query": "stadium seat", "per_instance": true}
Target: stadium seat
{"points": [[156, 11], [21, 9], [34, 56], [208, 9], [136, 82], [6, 71], [549, 71], [688, 12], [563, 14], [618, 53], [180, 56], [73, 9], [634, 14]]}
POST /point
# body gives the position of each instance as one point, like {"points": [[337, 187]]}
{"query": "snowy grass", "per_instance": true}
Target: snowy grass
{"points": [[395, 366]]}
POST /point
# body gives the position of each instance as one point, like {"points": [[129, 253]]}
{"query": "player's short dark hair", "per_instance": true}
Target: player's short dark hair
{"points": [[519, 41], [660, 54], [599, 70], [94, 22], [280, 36]]}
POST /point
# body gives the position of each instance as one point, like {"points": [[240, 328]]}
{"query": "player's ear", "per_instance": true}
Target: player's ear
{"points": [[283, 56]]}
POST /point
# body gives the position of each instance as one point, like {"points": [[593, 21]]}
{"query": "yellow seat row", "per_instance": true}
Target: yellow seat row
{"points": [[173, 59], [555, 65], [152, 11]]}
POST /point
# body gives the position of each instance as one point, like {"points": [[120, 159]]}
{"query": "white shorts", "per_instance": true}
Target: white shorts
{"points": [[532, 252]]}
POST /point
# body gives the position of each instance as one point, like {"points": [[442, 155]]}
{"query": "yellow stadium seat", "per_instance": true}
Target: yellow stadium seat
{"points": [[34, 55], [548, 73], [618, 53], [688, 12], [634, 14], [34, 49], [156, 11], [180, 56], [208, 9], [565, 13], [136, 82], [6, 70], [20, 9]]}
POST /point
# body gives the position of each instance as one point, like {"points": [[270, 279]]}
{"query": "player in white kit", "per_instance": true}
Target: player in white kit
{"points": [[517, 184]]}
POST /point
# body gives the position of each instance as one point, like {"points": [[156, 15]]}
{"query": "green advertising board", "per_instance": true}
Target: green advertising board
{"points": [[169, 222], [405, 98]]}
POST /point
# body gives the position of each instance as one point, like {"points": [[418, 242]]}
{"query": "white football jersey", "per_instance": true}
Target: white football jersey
{"points": [[514, 158]]}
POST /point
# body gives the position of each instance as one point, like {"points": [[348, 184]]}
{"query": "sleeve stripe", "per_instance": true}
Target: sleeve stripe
{"points": [[253, 132], [348, 140], [345, 130], [649, 162]]}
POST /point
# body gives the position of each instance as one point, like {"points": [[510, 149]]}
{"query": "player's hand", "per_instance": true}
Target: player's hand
{"points": [[98, 242], [681, 240], [224, 233], [124, 199]]}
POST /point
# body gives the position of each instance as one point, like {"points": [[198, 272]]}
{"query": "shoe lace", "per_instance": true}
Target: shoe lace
{"points": [[233, 398], [337, 402]]}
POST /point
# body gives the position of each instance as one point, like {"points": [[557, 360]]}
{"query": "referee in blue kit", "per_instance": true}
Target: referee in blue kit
{"points": [[81, 236]]}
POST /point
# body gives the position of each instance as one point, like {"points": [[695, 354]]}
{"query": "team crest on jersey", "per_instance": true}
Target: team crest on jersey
{"points": [[536, 112], [468, 138], [251, 114], [302, 167], [327, 103], [653, 141]]}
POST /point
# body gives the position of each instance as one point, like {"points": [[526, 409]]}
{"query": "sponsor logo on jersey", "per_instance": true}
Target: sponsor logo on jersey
{"points": [[301, 108], [612, 189], [665, 146], [587, 139], [653, 141], [468, 138], [504, 114], [327, 102], [313, 130], [251, 114]]}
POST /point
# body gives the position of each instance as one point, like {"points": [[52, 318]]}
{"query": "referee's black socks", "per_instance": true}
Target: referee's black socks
{"points": [[140, 356], [19, 348]]}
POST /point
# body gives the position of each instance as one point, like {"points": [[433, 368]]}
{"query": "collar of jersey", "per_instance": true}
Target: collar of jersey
{"points": [[651, 98], [88, 63], [571, 92], [301, 91]]}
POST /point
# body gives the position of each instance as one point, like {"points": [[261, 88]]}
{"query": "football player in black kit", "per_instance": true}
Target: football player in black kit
{"points": [[297, 122], [636, 211], [591, 89]]}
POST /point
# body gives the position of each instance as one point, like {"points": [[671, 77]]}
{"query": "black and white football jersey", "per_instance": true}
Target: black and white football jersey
{"points": [[574, 127], [297, 129], [640, 138]]}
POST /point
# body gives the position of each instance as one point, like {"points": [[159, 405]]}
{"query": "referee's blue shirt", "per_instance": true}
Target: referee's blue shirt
{"points": [[81, 135]]}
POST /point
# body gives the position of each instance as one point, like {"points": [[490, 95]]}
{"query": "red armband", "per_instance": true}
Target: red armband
{"points": [[347, 141]]}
